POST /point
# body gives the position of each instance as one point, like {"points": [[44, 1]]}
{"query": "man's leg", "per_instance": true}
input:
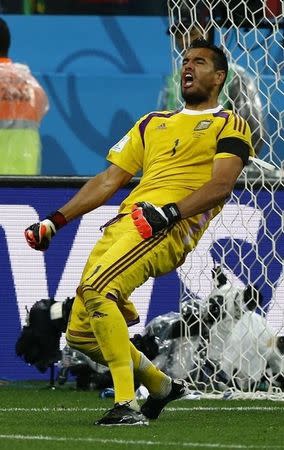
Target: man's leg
{"points": [[161, 387], [110, 329], [156, 381], [101, 333], [119, 263]]}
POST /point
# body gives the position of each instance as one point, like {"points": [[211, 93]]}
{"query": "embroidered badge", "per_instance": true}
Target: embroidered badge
{"points": [[203, 125]]}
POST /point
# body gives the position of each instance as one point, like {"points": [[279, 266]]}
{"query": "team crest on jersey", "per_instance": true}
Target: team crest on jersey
{"points": [[203, 125]]}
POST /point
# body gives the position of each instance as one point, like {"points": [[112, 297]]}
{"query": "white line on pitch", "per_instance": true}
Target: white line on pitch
{"points": [[45, 409], [228, 408], [136, 442], [177, 409]]}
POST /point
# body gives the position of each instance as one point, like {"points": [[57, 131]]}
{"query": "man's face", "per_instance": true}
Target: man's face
{"points": [[199, 79]]}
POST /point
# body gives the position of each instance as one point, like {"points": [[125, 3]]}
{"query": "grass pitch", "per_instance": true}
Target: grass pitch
{"points": [[33, 417]]}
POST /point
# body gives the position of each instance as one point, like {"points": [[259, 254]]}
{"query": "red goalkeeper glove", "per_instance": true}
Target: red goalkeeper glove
{"points": [[150, 219], [38, 235]]}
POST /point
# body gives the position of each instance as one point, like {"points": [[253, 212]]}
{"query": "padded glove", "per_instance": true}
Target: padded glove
{"points": [[38, 235], [150, 219]]}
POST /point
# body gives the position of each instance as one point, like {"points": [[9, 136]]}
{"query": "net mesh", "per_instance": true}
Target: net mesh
{"points": [[232, 304]]}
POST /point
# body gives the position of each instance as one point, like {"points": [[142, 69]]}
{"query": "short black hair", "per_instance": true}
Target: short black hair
{"points": [[220, 59], [5, 38]]}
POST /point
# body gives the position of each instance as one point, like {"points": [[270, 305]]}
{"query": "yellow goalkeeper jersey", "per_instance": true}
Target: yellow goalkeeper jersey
{"points": [[175, 151]]}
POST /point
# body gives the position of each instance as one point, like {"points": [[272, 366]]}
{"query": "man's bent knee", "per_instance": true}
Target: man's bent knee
{"points": [[89, 347]]}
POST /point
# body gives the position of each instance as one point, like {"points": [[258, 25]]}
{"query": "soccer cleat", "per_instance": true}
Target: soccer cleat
{"points": [[154, 406], [122, 414]]}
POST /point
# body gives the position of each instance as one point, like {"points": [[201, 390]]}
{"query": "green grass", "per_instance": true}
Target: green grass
{"points": [[33, 417]]}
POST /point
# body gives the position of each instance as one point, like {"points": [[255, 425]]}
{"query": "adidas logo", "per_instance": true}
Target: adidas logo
{"points": [[163, 126]]}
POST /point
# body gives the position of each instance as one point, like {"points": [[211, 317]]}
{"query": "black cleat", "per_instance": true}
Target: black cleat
{"points": [[122, 414], [154, 406]]}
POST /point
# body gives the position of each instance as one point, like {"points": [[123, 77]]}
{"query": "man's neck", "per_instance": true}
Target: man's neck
{"points": [[202, 106], [195, 112]]}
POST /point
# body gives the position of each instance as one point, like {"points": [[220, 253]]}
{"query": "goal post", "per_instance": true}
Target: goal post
{"points": [[232, 284]]}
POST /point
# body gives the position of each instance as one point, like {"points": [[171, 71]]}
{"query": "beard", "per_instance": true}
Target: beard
{"points": [[194, 98]]}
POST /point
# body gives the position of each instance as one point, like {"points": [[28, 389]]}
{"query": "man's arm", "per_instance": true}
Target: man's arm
{"points": [[150, 219], [224, 176], [95, 192], [92, 195]]}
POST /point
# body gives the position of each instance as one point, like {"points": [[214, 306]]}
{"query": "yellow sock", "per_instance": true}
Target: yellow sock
{"points": [[111, 332], [156, 381]]}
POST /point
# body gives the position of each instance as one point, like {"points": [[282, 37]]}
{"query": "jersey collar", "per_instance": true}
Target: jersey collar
{"points": [[192, 112]]}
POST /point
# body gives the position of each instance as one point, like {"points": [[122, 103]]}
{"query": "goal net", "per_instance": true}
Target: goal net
{"points": [[232, 286]]}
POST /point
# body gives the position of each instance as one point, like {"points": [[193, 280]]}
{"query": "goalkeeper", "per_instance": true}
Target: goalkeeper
{"points": [[190, 160]]}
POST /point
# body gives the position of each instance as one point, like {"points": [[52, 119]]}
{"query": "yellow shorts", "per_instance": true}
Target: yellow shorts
{"points": [[120, 262]]}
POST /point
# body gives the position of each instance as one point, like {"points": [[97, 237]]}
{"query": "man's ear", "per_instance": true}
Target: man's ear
{"points": [[220, 77]]}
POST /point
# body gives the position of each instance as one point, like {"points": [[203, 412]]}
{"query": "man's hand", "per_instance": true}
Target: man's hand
{"points": [[38, 235], [150, 219]]}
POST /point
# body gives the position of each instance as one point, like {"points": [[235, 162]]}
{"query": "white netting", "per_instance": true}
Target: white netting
{"points": [[232, 326]]}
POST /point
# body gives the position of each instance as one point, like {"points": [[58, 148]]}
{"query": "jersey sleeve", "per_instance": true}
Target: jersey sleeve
{"points": [[128, 153], [235, 139]]}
